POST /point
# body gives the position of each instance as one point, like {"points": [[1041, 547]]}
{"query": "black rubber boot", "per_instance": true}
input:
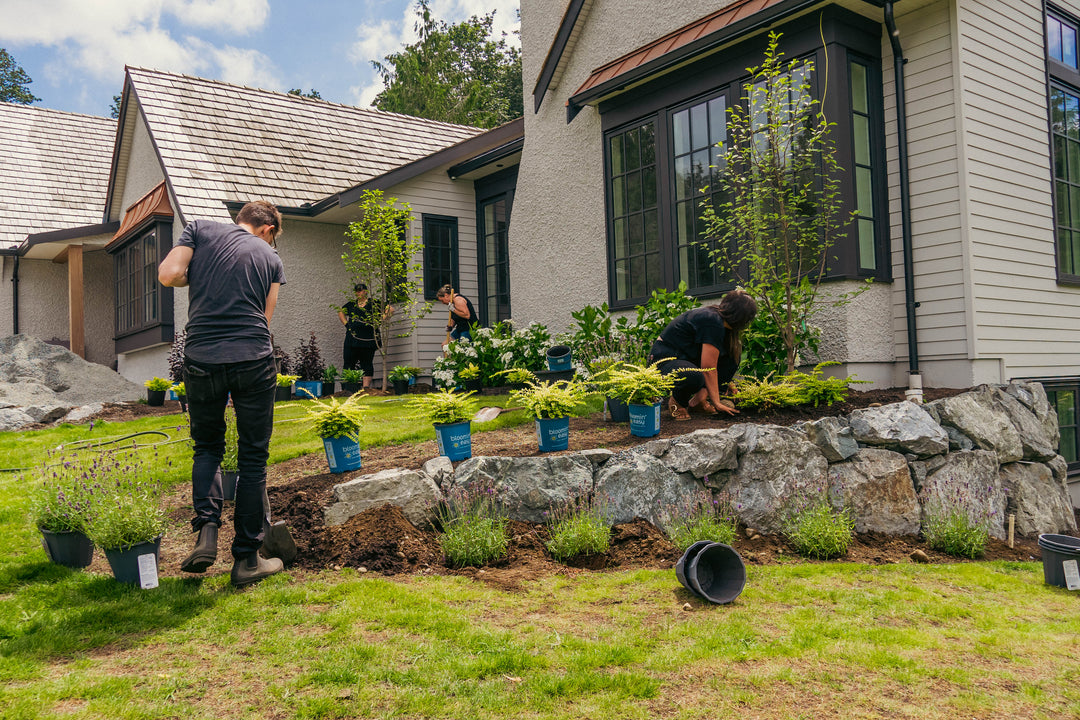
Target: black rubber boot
{"points": [[205, 552], [278, 543], [252, 569]]}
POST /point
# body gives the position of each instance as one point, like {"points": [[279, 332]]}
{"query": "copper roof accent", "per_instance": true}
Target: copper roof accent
{"points": [[733, 13], [153, 203]]}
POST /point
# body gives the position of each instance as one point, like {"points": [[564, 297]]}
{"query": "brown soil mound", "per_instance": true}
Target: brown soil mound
{"points": [[382, 540]]}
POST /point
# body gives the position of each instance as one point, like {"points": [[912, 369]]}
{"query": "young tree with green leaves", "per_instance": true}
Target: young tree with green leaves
{"points": [[14, 81], [380, 253], [781, 208], [453, 73]]}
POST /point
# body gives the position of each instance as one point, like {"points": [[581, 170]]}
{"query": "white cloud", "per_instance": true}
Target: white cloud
{"points": [[102, 36], [375, 42], [238, 16], [364, 95]]}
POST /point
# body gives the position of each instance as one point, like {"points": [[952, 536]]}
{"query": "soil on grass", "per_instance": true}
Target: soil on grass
{"points": [[382, 540]]}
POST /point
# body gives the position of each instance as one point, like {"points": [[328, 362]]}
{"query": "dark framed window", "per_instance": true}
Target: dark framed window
{"points": [[1064, 97], [440, 235], [143, 308], [494, 206], [663, 155], [1064, 397]]}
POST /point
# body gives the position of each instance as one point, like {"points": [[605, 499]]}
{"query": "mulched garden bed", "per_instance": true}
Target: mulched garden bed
{"points": [[381, 540]]}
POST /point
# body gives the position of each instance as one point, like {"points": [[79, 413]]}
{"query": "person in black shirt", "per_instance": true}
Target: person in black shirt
{"points": [[705, 338], [362, 320], [232, 275], [462, 314]]}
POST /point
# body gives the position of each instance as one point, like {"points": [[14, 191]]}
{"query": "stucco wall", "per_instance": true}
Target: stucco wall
{"points": [[7, 268], [144, 171], [558, 255], [43, 299], [99, 307], [315, 280]]}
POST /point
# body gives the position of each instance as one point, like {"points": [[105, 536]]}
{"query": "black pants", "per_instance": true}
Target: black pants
{"points": [[361, 358], [252, 385], [690, 380]]}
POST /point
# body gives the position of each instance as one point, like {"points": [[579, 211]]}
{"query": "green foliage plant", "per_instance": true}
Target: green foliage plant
{"points": [[597, 335], [156, 384], [286, 380], [469, 372], [121, 521], [578, 526], [355, 377], [179, 389], [473, 526], [793, 389], [493, 350], [813, 526], [957, 517], [551, 400], [763, 350], [337, 418], [380, 253], [330, 374], [700, 517], [404, 372], [14, 82], [230, 460], [453, 73], [63, 489], [445, 407], [782, 209], [636, 384]]}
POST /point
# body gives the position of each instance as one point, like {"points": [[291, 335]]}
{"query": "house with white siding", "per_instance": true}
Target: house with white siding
{"points": [[966, 183], [186, 148]]}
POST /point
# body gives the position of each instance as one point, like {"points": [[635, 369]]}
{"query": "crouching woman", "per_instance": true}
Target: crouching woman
{"points": [[705, 338]]}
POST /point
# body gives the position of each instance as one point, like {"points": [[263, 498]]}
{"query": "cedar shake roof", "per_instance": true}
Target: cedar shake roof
{"points": [[54, 168], [221, 143]]}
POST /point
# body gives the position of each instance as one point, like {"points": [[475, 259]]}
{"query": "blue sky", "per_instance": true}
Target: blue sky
{"points": [[75, 50]]}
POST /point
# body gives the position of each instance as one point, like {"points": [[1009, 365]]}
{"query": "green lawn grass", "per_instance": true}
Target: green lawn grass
{"points": [[802, 641]]}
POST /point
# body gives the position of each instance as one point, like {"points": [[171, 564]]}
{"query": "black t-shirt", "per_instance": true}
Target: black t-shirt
{"points": [[362, 323], [229, 277], [684, 336], [464, 324]]}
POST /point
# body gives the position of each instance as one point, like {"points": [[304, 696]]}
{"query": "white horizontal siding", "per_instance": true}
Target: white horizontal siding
{"points": [[433, 193], [1021, 314], [934, 183]]}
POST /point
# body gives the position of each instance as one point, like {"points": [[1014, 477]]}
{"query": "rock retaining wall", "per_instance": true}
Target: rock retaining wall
{"points": [[993, 448]]}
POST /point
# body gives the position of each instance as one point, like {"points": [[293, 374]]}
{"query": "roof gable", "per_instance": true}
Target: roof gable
{"points": [[54, 167], [223, 143]]}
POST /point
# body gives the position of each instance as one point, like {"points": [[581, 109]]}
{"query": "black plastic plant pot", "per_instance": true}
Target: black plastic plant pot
{"points": [[401, 387], [155, 398], [137, 564], [283, 394], [1060, 558], [712, 571], [70, 549]]}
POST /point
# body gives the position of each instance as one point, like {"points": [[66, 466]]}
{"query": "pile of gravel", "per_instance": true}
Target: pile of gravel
{"points": [[41, 382]]}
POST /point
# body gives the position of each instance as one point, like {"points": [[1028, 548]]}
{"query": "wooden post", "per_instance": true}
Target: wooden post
{"points": [[76, 334], [1012, 529]]}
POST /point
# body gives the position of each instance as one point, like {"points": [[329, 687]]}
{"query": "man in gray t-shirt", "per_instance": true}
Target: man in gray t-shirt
{"points": [[232, 275]]}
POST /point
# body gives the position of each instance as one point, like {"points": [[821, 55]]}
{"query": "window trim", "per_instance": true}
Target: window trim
{"points": [[846, 36], [1068, 79], [1056, 385], [145, 334], [427, 221]]}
